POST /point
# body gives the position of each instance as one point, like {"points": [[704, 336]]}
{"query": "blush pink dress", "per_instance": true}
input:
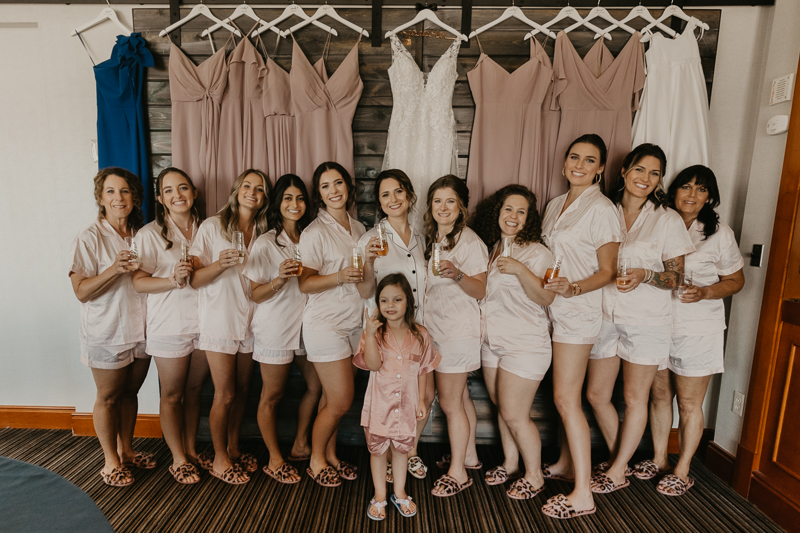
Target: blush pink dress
{"points": [[280, 133], [324, 108], [507, 141], [596, 94]]}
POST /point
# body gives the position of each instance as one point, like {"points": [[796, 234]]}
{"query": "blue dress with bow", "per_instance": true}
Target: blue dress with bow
{"points": [[121, 122]]}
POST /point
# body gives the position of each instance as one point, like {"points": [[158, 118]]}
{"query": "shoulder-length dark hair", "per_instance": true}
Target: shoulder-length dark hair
{"points": [[657, 196], [136, 217], [486, 225], [401, 281], [229, 215], [704, 177], [316, 198], [596, 141], [462, 195], [161, 209], [274, 217], [402, 179]]}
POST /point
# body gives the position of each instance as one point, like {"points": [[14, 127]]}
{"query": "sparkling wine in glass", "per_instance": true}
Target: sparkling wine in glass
{"points": [[184, 250], [437, 255], [238, 242], [382, 240], [508, 243], [358, 259], [297, 259], [554, 269], [623, 266], [684, 281], [133, 258]]}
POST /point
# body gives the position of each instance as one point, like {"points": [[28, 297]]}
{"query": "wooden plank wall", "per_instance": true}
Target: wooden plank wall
{"points": [[503, 43]]}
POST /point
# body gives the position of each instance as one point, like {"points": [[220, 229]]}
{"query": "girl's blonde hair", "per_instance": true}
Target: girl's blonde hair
{"points": [[401, 281], [229, 215]]}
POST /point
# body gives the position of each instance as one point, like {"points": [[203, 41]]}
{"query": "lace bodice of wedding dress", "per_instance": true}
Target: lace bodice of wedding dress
{"points": [[422, 134]]}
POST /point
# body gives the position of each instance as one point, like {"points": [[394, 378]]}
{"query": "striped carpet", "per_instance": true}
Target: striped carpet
{"points": [[155, 503]]}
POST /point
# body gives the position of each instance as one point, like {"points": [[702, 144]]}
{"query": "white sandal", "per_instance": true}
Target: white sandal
{"points": [[379, 506]]}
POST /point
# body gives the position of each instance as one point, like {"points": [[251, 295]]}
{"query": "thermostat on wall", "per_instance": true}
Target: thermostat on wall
{"points": [[778, 124]]}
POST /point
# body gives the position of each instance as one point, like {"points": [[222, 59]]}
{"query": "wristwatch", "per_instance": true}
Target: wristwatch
{"points": [[460, 276]]}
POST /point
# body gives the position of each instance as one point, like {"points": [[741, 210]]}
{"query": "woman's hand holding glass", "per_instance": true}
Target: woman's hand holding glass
{"points": [[122, 264], [287, 269], [560, 286], [372, 249], [509, 265], [448, 269], [350, 275], [228, 258], [631, 280], [692, 294], [182, 271]]}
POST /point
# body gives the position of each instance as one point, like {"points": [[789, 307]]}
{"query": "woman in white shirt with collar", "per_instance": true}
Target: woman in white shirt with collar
{"points": [[698, 327], [394, 198], [113, 320], [333, 317], [172, 324], [637, 309], [225, 313]]}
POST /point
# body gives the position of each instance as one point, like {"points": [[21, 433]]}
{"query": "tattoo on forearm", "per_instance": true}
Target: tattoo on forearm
{"points": [[668, 279]]}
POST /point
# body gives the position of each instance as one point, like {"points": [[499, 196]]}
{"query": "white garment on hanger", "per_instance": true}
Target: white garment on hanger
{"points": [[673, 112], [422, 132]]}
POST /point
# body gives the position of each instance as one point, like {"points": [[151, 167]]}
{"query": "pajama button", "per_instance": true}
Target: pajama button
{"points": [[398, 376], [397, 410], [399, 357], [397, 394]]}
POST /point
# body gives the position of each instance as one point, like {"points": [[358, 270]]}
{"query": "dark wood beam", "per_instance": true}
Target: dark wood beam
{"points": [[544, 4]]}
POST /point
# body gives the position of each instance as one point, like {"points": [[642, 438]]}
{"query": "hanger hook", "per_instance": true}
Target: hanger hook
{"points": [[109, 3]]}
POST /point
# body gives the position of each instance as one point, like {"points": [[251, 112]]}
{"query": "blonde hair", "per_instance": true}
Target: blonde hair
{"points": [[229, 215], [431, 227]]}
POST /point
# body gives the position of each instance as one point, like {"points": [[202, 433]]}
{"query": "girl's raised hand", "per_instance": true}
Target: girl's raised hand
{"points": [[287, 269], [371, 322]]}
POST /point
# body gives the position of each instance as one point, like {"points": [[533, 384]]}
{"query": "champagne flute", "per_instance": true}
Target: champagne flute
{"points": [[623, 265], [184, 250], [437, 255], [382, 240], [133, 258], [684, 280], [508, 243], [238, 242], [554, 269], [297, 259], [358, 259]]}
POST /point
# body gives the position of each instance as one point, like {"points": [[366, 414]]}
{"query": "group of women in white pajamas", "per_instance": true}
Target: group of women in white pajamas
{"points": [[296, 297]]}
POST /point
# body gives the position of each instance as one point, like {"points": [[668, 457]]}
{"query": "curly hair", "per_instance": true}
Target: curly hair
{"points": [[462, 195], [274, 217], [161, 209], [317, 202], [229, 215], [402, 179], [704, 177], [401, 281], [487, 215], [657, 196], [136, 217]]}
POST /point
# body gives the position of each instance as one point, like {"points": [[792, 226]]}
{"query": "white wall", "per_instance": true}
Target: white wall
{"points": [[783, 49], [48, 117]]}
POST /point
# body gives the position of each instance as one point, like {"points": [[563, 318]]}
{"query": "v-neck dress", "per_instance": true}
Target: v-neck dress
{"points": [[596, 94], [506, 145], [196, 93], [324, 108]]}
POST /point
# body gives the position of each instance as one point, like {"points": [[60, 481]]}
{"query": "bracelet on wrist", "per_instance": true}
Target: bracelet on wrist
{"points": [[338, 283], [460, 276], [273, 286]]}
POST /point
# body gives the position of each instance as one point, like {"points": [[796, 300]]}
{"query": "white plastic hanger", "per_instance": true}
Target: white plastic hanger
{"points": [[426, 14], [674, 11], [326, 11], [642, 12], [106, 14], [241, 9], [290, 11], [572, 13], [512, 12], [199, 9], [603, 13]]}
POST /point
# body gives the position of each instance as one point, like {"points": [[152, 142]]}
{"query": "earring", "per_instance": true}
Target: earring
{"points": [[597, 177], [563, 173]]}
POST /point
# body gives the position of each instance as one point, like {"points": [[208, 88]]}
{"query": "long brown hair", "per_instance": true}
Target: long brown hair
{"points": [[274, 217], [657, 195], [161, 209], [462, 195], [402, 179], [136, 217], [399, 280], [229, 215], [317, 202]]}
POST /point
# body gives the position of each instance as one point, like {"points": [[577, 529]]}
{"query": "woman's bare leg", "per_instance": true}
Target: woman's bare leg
{"points": [[172, 374], [192, 401], [129, 407], [223, 374], [451, 397], [244, 369], [307, 407], [691, 393], [337, 396], [510, 450], [602, 378], [661, 395], [106, 412], [273, 378]]}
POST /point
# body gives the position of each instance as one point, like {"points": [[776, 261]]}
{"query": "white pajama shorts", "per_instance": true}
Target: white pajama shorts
{"points": [[277, 357], [458, 356], [112, 357], [532, 364], [327, 346], [576, 329], [641, 345], [697, 355], [228, 346], [172, 346]]}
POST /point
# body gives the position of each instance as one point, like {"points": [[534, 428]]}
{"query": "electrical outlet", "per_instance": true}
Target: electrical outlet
{"points": [[738, 403]]}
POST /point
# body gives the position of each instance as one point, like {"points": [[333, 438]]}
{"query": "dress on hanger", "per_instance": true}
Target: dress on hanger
{"points": [[674, 108], [596, 94], [121, 120], [506, 145], [324, 108], [196, 93], [280, 137], [422, 138]]}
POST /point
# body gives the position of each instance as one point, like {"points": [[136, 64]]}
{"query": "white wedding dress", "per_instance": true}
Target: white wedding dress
{"points": [[422, 132], [673, 112]]}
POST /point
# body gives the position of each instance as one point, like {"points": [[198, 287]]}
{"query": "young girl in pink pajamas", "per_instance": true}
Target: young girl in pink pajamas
{"points": [[400, 355]]}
